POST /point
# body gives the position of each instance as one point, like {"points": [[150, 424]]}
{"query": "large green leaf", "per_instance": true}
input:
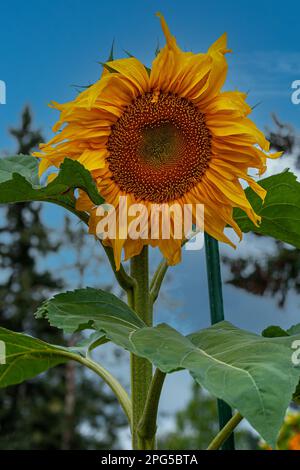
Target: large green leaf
{"points": [[276, 331], [92, 308], [26, 357], [294, 330], [280, 211], [259, 377], [19, 182], [24, 165], [252, 373]]}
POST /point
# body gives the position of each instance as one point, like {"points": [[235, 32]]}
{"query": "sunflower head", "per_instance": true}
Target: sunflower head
{"points": [[163, 135], [159, 148]]}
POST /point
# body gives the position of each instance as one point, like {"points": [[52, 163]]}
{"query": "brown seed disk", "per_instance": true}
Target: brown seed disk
{"points": [[158, 150]]}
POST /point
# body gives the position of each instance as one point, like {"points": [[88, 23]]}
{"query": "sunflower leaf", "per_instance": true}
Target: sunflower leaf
{"points": [[263, 377], [21, 164], [294, 330], [274, 331], [19, 182], [25, 357], [91, 309], [86, 345], [251, 373], [280, 212]]}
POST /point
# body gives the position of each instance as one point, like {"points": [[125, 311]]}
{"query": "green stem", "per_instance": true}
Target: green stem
{"points": [[159, 277], [226, 432], [157, 280], [141, 369], [217, 315], [125, 281], [147, 425], [108, 378]]}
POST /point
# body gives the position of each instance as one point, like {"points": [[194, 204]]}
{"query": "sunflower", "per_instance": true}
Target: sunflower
{"points": [[163, 135]]}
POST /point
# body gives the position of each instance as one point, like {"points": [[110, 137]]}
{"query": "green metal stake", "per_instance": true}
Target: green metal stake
{"points": [[217, 315]]}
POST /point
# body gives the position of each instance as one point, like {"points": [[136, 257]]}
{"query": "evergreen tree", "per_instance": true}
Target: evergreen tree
{"points": [[64, 408]]}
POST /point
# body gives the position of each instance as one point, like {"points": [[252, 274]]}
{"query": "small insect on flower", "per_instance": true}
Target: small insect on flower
{"points": [[163, 135]]}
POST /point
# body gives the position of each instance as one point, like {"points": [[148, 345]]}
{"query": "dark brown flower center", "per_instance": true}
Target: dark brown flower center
{"points": [[159, 148]]}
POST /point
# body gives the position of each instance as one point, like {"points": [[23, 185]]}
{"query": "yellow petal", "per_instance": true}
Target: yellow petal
{"points": [[132, 248], [218, 72], [171, 41], [44, 164], [229, 102], [219, 46], [182, 73], [93, 159], [134, 71], [171, 250], [51, 177], [83, 202]]}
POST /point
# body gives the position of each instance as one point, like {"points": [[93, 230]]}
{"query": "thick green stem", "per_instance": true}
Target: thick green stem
{"points": [[217, 315], [141, 369], [226, 432], [147, 425]]}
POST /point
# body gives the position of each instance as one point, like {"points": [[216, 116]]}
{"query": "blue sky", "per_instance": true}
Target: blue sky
{"points": [[46, 46]]}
